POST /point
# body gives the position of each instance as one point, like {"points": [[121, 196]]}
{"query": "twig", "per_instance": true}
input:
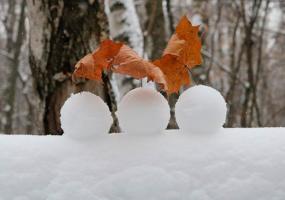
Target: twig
{"points": [[222, 67], [6, 54]]}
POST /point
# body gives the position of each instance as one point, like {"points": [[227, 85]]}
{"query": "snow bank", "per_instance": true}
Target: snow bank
{"points": [[235, 164]]}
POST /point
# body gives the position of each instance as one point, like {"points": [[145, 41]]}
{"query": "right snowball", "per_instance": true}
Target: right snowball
{"points": [[201, 109]]}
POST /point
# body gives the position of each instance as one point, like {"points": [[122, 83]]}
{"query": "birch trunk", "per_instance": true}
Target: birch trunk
{"points": [[125, 27]]}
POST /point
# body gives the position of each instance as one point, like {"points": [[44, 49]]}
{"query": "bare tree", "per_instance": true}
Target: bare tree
{"points": [[13, 47]]}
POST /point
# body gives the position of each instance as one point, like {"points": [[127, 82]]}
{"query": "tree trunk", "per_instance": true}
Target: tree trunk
{"points": [[125, 27], [155, 36], [63, 31], [124, 23], [15, 48]]}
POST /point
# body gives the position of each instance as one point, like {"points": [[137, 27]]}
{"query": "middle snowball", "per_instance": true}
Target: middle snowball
{"points": [[143, 110]]}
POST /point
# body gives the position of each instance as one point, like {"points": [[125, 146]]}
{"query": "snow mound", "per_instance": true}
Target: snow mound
{"points": [[236, 164], [200, 109], [143, 110], [84, 115]]}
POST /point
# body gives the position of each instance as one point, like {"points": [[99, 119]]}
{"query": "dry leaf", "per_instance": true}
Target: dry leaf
{"points": [[121, 59], [170, 71], [92, 65], [85, 68], [185, 44], [174, 46], [105, 54], [182, 51], [175, 72], [128, 62]]}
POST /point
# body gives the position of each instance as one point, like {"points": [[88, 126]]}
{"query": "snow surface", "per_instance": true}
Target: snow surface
{"points": [[234, 164], [143, 111], [84, 115], [201, 109]]}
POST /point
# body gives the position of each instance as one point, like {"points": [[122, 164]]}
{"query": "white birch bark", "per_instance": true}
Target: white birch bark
{"points": [[124, 26]]}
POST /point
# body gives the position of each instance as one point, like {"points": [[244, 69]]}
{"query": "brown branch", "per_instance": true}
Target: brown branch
{"points": [[219, 6], [222, 67], [152, 17], [273, 116], [258, 67], [231, 92], [7, 55], [170, 16], [250, 73]]}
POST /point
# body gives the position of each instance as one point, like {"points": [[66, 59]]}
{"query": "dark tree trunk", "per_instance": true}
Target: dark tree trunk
{"points": [[155, 38], [63, 31]]}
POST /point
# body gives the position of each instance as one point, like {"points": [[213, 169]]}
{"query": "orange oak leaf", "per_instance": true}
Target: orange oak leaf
{"points": [[128, 62], [175, 72], [185, 43], [92, 65]]}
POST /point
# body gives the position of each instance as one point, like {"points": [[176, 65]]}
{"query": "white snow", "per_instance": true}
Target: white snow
{"points": [[237, 164], [143, 110], [84, 115], [200, 109]]}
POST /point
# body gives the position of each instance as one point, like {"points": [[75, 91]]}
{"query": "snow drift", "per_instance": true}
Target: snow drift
{"points": [[235, 164]]}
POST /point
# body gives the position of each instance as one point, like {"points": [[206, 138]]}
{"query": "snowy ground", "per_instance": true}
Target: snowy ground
{"points": [[233, 164]]}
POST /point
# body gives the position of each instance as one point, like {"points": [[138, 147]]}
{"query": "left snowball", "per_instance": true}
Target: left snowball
{"points": [[84, 115]]}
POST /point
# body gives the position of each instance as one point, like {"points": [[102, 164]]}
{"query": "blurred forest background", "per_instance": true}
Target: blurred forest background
{"points": [[41, 40]]}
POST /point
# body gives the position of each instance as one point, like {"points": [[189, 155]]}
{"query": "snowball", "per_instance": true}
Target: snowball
{"points": [[143, 110], [84, 115], [200, 109]]}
